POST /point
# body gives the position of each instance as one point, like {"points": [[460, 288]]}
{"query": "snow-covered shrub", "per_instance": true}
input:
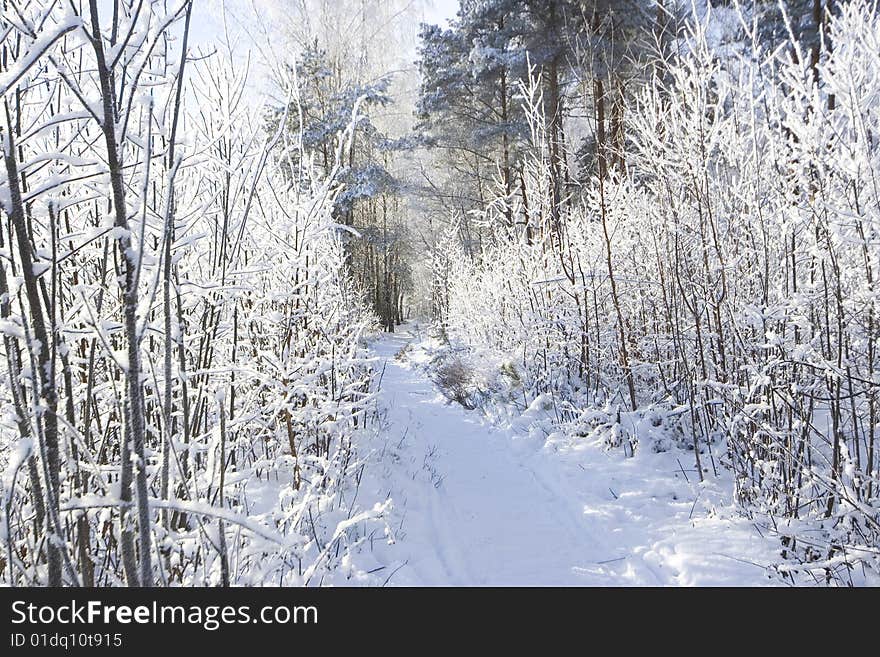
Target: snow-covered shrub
{"points": [[719, 290], [185, 389], [454, 378]]}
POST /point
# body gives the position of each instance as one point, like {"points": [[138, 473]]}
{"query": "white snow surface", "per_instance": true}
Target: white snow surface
{"points": [[482, 505]]}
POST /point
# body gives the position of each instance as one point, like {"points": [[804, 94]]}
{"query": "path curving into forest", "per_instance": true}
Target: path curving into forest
{"points": [[482, 505]]}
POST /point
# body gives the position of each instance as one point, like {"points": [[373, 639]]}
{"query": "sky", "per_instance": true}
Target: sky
{"points": [[441, 11]]}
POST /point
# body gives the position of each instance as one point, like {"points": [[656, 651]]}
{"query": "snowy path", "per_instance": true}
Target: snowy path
{"points": [[477, 505]]}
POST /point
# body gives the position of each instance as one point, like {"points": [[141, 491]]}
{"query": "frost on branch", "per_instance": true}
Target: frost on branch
{"points": [[185, 386]]}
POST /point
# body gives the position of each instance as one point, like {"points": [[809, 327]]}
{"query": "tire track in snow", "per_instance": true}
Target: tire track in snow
{"points": [[491, 520], [485, 506]]}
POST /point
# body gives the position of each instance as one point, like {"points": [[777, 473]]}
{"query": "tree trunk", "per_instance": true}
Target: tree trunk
{"points": [[135, 424], [45, 383]]}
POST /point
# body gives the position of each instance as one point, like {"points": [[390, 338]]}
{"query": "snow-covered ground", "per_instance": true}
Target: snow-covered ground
{"points": [[477, 504]]}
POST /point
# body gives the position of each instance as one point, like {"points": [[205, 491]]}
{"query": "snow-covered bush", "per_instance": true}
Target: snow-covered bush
{"points": [[185, 386], [717, 289]]}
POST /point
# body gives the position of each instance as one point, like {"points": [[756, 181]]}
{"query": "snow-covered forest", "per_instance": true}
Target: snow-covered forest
{"points": [[379, 292]]}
